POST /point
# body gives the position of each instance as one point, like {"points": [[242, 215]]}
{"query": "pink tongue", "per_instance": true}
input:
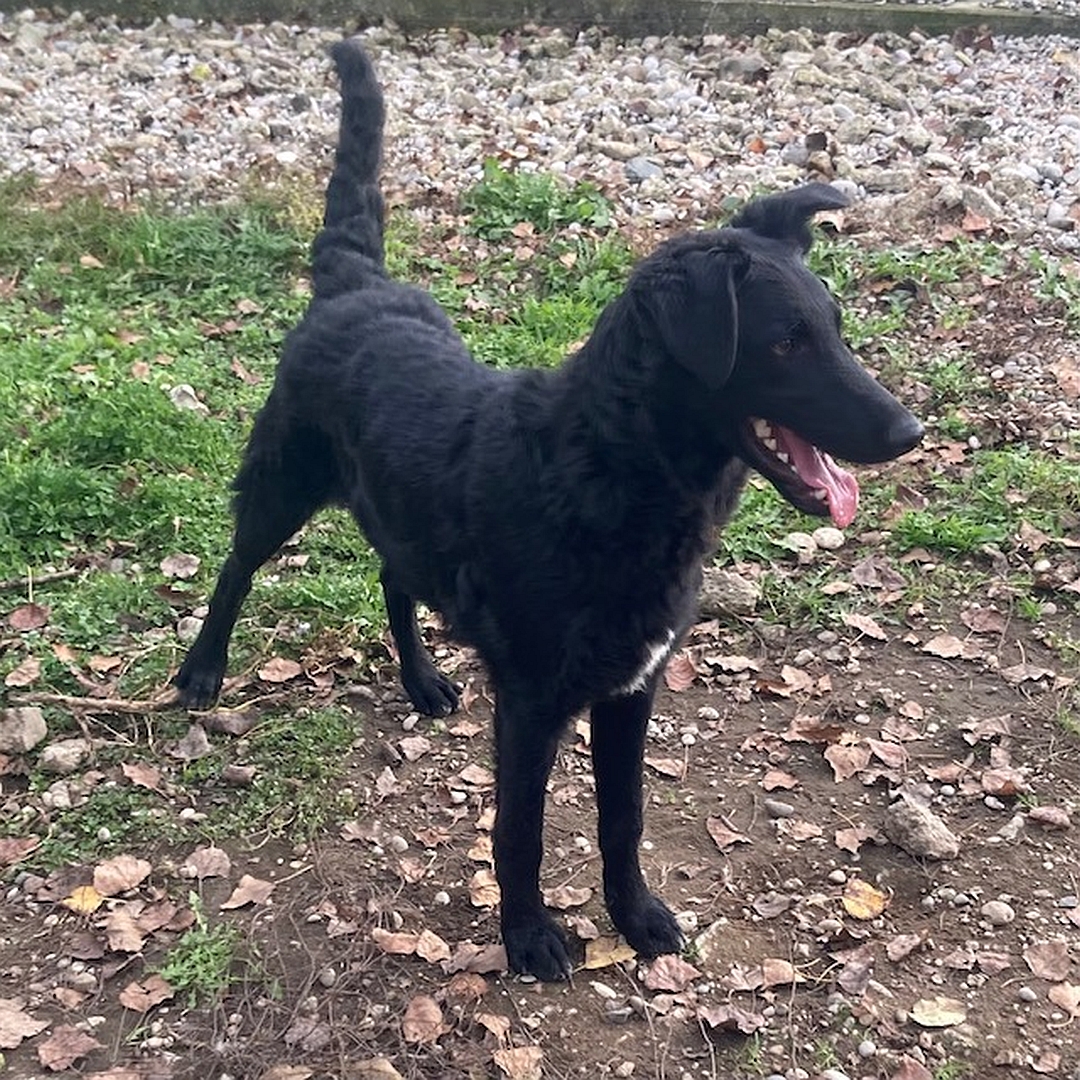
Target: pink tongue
{"points": [[820, 471]]}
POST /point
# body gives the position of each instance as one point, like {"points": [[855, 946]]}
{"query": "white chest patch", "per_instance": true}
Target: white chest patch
{"points": [[655, 655]]}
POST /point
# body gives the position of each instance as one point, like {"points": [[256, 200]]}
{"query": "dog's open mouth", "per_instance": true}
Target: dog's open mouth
{"points": [[806, 476]]}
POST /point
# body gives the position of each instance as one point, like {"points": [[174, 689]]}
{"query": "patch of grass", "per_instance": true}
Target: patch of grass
{"points": [[952, 1070], [200, 965], [504, 198]]}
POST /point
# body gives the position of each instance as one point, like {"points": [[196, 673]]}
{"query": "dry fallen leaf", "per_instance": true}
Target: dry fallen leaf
{"points": [[83, 900], [1049, 1061], [564, 897], [483, 889], [302, 1072], [731, 1018], [605, 951], [16, 1025], [24, 674], [477, 959], [911, 1070], [520, 1062], [124, 933], [722, 835], [866, 626], [1066, 996], [396, 944], [120, 874], [141, 774], [180, 565], [946, 646], [1049, 960], [778, 780], [371, 1069], [250, 890], [28, 617], [15, 848], [141, 997], [279, 669], [499, 1026], [414, 747], [847, 761], [680, 673], [671, 973], [777, 972], [673, 767], [851, 839], [431, 947], [938, 1012], [64, 1047], [423, 1021], [862, 901], [207, 862], [902, 945]]}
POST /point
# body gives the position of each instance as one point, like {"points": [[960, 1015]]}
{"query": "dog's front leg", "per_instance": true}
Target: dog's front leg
{"points": [[618, 745], [526, 740]]}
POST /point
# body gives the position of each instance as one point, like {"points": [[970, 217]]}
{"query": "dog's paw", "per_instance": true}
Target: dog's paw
{"points": [[197, 688], [431, 692], [649, 927], [538, 949]]}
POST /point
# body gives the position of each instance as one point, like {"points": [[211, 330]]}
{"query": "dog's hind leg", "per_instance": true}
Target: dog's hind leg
{"points": [[526, 740], [429, 690], [618, 745], [275, 496]]}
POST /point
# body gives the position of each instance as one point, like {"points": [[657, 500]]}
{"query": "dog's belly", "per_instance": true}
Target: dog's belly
{"points": [[656, 654]]}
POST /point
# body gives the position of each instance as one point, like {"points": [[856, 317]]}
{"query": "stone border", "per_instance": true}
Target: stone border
{"points": [[628, 18]]}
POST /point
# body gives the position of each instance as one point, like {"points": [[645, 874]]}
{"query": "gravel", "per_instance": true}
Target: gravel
{"points": [[920, 129]]}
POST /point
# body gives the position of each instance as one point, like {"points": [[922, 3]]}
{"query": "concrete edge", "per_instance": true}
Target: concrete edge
{"points": [[627, 18]]}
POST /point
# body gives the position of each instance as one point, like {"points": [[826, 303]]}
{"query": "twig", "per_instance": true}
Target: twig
{"points": [[102, 705], [31, 580]]}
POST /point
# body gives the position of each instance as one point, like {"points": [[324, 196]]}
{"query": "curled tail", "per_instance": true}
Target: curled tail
{"points": [[350, 244]]}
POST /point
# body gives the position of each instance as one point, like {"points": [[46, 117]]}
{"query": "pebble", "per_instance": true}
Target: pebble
{"points": [[837, 877], [997, 912], [778, 809], [661, 124], [1027, 995]]}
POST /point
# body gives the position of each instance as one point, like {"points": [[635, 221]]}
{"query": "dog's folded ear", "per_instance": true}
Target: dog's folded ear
{"points": [[690, 308], [786, 216]]}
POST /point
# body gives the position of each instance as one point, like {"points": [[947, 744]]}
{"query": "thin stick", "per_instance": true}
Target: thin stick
{"points": [[102, 705], [31, 580]]}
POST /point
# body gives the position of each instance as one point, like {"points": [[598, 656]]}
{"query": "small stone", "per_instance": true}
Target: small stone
{"points": [[64, 756], [327, 977], [867, 1048], [827, 538], [725, 593], [997, 912], [919, 831], [441, 897], [21, 729], [188, 627], [778, 809], [837, 877], [992, 802], [802, 544], [1027, 995]]}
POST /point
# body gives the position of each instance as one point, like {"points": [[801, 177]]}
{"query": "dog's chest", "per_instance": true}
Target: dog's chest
{"points": [[655, 656]]}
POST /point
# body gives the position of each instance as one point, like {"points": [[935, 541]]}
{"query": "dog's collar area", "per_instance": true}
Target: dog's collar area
{"points": [[806, 476]]}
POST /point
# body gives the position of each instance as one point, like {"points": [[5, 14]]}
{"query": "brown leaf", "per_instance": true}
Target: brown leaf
{"points": [[866, 626], [499, 1026], [141, 997], [28, 617], [423, 1022], [64, 1047], [478, 959], [141, 774], [477, 776], [1049, 1061], [120, 874], [851, 838], [862, 901], [671, 973], [777, 972], [938, 1012], [370, 1069], [730, 1018], [911, 1070], [24, 674], [1049, 960], [778, 780], [431, 947], [483, 889], [606, 951], [396, 944], [279, 669], [946, 646], [680, 672], [123, 931], [846, 761], [302, 1072], [723, 836], [180, 565], [902, 945], [16, 1025], [194, 745], [414, 747], [874, 572], [1005, 782], [1066, 996], [250, 890], [520, 1062], [674, 767], [983, 620], [1020, 673], [1049, 817], [564, 897], [83, 900], [467, 988], [207, 862], [15, 848]]}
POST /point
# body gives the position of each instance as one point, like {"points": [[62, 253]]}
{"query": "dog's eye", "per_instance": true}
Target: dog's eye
{"points": [[785, 346]]}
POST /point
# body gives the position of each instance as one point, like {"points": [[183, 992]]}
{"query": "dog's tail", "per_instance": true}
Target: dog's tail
{"points": [[350, 244]]}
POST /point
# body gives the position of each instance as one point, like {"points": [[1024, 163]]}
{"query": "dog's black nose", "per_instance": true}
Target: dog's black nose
{"points": [[904, 433]]}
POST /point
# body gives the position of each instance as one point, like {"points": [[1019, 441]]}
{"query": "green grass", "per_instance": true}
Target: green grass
{"points": [[199, 967]]}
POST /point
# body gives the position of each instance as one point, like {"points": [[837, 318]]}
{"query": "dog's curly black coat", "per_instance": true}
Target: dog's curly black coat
{"points": [[557, 519]]}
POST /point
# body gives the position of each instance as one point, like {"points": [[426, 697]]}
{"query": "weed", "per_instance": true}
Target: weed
{"points": [[952, 1070], [503, 199], [200, 964]]}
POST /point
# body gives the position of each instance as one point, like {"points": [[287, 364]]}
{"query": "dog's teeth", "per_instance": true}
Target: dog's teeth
{"points": [[762, 429], [770, 444], [820, 494], [782, 456]]}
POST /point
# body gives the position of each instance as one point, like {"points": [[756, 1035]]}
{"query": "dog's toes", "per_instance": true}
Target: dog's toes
{"points": [[431, 693], [197, 689], [649, 927], [538, 949]]}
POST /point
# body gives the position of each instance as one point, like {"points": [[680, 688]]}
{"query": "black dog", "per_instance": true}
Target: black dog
{"points": [[558, 520]]}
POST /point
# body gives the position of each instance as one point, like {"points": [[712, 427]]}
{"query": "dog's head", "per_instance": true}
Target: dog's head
{"points": [[739, 310]]}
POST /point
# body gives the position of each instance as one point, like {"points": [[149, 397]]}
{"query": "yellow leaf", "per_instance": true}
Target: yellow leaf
{"points": [[862, 901], [84, 900], [606, 951]]}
